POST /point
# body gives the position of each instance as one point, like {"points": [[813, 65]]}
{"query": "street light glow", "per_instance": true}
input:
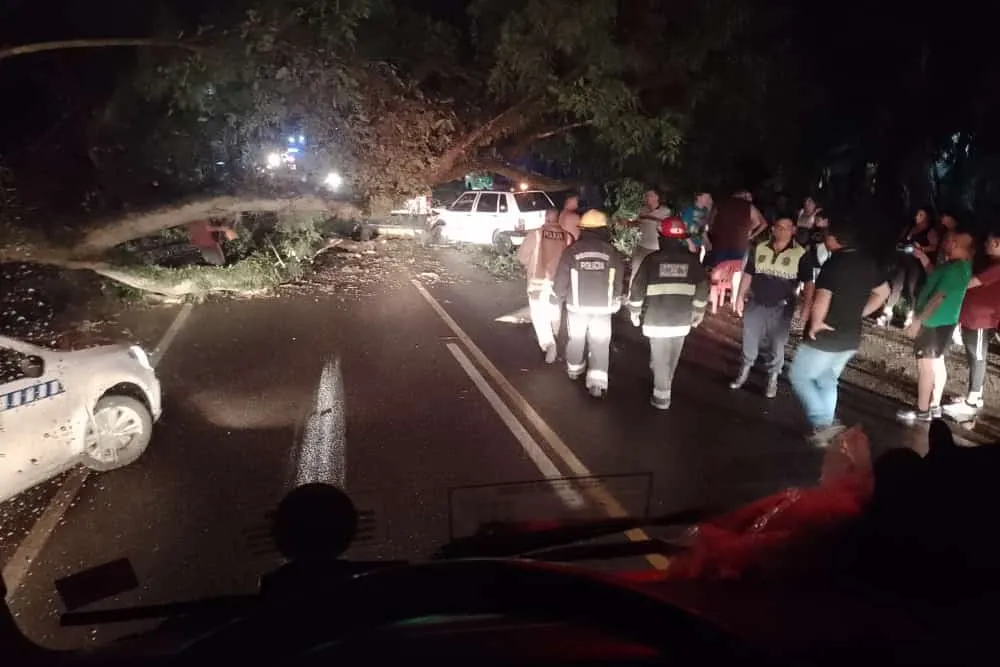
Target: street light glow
{"points": [[523, 186]]}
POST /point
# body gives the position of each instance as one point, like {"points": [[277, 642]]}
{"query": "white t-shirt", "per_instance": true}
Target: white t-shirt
{"points": [[649, 226]]}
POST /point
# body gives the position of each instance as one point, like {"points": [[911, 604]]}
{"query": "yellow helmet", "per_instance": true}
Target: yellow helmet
{"points": [[593, 219]]}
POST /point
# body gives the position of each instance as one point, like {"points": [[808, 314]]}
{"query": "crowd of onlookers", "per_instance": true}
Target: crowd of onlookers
{"points": [[816, 268]]}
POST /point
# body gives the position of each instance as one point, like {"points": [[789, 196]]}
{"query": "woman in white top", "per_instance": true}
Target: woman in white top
{"points": [[806, 221]]}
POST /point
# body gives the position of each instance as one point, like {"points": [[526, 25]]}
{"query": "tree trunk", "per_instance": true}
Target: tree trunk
{"points": [[102, 237], [62, 45]]}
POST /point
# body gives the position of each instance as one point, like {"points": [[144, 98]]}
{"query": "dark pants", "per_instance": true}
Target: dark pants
{"points": [[766, 326], [977, 343], [907, 276]]}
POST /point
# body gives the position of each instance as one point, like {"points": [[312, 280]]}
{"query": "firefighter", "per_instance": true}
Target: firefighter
{"points": [[590, 279], [539, 255], [667, 298]]}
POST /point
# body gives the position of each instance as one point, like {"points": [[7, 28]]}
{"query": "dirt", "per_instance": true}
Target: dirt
{"points": [[381, 263]]}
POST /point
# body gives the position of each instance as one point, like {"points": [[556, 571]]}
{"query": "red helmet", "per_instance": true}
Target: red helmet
{"points": [[673, 228]]}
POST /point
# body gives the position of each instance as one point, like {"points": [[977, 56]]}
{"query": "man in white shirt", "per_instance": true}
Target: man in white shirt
{"points": [[651, 216]]}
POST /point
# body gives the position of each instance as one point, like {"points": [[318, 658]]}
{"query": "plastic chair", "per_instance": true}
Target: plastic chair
{"points": [[722, 282]]}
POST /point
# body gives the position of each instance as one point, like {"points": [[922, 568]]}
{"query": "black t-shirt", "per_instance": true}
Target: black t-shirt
{"points": [[850, 275]]}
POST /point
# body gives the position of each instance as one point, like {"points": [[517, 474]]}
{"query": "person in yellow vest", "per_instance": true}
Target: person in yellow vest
{"points": [[774, 271]]}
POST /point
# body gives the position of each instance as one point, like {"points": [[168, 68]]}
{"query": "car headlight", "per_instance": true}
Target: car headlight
{"points": [[273, 160], [140, 356], [333, 180]]}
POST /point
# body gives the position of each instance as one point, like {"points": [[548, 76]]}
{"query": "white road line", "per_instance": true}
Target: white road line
{"points": [[16, 569], [168, 338], [612, 507], [570, 498]]}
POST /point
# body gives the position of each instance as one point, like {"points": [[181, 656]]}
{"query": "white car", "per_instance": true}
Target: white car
{"points": [[491, 217], [57, 409]]}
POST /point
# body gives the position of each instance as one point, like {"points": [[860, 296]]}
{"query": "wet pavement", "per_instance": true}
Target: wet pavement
{"points": [[240, 378]]}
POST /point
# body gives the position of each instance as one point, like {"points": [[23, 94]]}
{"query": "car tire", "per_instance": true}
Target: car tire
{"points": [[502, 242], [126, 408]]}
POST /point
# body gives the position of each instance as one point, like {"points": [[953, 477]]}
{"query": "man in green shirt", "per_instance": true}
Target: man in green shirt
{"points": [[938, 307]]}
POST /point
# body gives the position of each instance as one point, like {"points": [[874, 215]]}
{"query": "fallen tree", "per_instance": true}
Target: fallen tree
{"points": [[94, 247]]}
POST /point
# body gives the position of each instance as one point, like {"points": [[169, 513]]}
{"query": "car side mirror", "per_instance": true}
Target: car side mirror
{"points": [[33, 366]]}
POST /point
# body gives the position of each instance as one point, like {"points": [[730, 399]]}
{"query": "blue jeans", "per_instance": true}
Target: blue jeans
{"points": [[814, 375]]}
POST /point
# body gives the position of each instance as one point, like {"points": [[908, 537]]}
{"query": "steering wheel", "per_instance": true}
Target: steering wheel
{"points": [[297, 633]]}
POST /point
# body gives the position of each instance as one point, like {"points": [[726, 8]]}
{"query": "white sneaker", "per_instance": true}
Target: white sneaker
{"points": [[551, 352]]}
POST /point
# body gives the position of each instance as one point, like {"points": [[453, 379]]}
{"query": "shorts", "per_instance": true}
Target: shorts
{"points": [[716, 257], [932, 342]]}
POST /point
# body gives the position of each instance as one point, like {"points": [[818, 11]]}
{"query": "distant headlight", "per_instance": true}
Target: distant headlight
{"points": [[140, 356], [333, 180]]}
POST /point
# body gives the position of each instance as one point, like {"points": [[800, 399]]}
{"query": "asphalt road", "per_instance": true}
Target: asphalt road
{"points": [[426, 420]]}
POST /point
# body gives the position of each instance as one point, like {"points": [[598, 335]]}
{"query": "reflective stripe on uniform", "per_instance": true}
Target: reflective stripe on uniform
{"points": [[574, 279], [575, 368], [597, 379], [661, 393], [593, 254], [611, 286], [698, 303], [650, 331], [661, 289]]}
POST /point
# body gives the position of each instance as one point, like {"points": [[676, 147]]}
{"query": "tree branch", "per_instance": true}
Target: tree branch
{"points": [[516, 150], [101, 238], [486, 132], [514, 173], [40, 47], [560, 130]]}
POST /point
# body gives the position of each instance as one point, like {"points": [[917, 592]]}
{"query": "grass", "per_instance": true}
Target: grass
{"points": [[499, 265]]}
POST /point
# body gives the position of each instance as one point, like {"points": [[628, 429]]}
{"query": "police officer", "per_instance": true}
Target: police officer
{"points": [[590, 280], [668, 297], [772, 276]]}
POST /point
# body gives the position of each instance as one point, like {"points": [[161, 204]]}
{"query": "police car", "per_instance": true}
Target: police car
{"points": [[94, 407]]}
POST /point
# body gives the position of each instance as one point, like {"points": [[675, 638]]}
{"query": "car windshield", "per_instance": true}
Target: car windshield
{"points": [[528, 202], [227, 291]]}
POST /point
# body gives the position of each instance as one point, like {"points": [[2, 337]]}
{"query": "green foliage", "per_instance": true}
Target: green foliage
{"points": [[624, 198], [500, 265], [625, 238], [392, 98]]}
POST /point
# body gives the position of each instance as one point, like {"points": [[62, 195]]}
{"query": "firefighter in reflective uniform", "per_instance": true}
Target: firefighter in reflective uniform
{"points": [[590, 279], [539, 255], [667, 298]]}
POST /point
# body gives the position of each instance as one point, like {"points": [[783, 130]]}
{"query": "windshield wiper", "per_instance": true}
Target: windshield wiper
{"points": [[520, 539]]}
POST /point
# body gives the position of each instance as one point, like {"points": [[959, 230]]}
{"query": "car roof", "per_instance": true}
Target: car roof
{"points": [[505, 192]]}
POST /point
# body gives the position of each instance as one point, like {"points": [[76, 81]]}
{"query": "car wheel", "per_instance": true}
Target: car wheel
{"points": [[118, 434], [502, 242]]}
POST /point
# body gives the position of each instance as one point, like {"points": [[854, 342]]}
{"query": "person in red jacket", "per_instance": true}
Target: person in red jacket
{"points": [[539, 255], [978, 320]]}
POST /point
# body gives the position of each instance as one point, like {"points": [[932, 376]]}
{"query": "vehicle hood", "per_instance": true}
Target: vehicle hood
{"points": [[90, 354]]}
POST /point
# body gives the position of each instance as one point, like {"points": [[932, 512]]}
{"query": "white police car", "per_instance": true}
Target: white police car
{"points": [[57, 409]]}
